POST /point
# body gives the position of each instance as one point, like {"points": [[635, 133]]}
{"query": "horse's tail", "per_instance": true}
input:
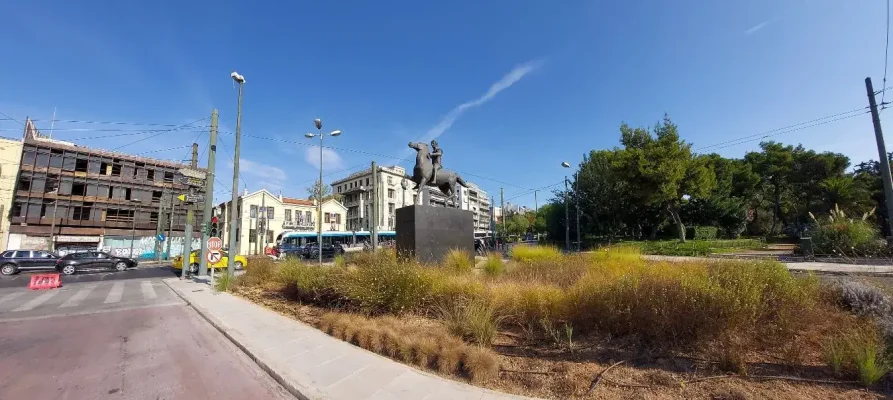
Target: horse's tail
{"points": [[461, 181]]}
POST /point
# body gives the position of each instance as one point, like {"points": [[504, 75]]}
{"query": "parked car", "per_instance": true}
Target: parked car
{"points": [[13, 261], [311, 250], [240, 262], [74, 262]]}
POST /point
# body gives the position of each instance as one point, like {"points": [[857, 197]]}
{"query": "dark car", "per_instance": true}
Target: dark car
{"points": [[13, 261], [328, 250], [74, 262]]}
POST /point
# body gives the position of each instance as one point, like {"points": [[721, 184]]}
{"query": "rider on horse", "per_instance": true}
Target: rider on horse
{"points": [[436, 156]]}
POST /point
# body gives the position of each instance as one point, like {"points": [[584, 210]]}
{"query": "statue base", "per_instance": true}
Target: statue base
{"points": [[428, 233]]}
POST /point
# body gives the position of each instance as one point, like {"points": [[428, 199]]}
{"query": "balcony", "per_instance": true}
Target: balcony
{"points": [[298, 224]]}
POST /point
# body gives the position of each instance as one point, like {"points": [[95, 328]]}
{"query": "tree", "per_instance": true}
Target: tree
{"points": [[726, 205], [603, 194], [661, 169], [775, 166], [319, 190]]}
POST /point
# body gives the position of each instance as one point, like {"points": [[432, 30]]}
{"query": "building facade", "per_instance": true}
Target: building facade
{"points": [[10, 157], [356, 192], [270, 215], [69, 197]]}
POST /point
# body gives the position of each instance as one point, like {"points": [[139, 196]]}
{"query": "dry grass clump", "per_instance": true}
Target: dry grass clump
{"points": [[428, 347], [493, 266], [458, 261], [526, 254], [858, 351], [258, 272]]}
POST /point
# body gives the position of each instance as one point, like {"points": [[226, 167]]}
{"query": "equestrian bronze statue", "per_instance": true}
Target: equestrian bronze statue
{"points": [[428, 171]]}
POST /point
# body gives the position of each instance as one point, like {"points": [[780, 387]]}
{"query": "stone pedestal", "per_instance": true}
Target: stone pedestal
{"points": [[427, 233]]}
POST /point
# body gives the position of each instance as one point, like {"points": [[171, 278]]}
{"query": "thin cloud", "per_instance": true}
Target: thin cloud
{"points": [[263, 172], [756, 28], [515, 75], [330, 159]]}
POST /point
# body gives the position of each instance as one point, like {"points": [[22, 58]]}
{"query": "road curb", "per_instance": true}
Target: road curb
{"points": [[220, 326]]}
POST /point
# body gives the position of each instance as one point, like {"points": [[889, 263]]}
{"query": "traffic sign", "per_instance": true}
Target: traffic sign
{"points": [[191, 198], [215, 244], [188, 180], [193, 173], [160, 237], [214, 257]]}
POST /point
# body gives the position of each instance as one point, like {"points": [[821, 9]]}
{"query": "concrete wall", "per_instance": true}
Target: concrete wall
{"points": [[10, 159], [144, 246]]}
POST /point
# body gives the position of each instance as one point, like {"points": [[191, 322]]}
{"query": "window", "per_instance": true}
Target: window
{"points": [[328, 217], [28, 157], [339, 188], [8, 254], [391, 209], [288, 215], [24, 183], [43, 160], [367, 181], [18, 209], [22, 254], [337, 218], [93, 167], [308, 217], [168, 177], [252, 212], [79, 213], [391, 192], [252, 235], [116, 169], [79, 189], [156, 196], [389, 180], [150, 175], [271, 213]]}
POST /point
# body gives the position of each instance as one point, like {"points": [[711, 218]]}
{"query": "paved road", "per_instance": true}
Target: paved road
{"points": [[126, 339], [142, 272]]}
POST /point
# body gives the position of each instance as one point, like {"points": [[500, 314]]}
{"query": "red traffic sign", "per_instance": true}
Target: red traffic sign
{"points": [[215, 244], [214, 257], [214, 219]]}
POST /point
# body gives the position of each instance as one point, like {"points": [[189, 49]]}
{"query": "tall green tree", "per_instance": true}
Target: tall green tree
{"points": [[604, 195], [661, 169]]}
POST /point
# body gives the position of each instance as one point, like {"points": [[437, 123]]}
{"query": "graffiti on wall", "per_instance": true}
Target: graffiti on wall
{"points": [[144, 246]]}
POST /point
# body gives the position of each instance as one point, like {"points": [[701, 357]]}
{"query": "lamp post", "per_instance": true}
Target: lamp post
{"points": [[318, 123], [234, 216], [567, 218]]}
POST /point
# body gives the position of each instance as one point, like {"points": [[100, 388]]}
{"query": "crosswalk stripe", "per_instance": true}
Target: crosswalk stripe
{"points": [[115, 294], [148, 290], [78, 297], [10, 297], [36, 301]]}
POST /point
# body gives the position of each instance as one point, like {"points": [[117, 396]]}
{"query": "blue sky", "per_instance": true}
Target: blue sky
{"points": [[510, 89]]}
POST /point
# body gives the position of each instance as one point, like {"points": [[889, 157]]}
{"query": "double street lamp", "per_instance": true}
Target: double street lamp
{"points": [[320, 134]]}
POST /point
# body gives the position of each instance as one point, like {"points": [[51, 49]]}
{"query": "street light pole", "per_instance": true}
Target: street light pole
{"points": [[234, 216], [318, 123], [53, 227], [567, 217]]}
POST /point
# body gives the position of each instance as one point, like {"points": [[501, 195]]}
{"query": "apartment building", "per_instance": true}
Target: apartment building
{"points": [[356, 190], [10, 155], [69, 197], [271, 215]]}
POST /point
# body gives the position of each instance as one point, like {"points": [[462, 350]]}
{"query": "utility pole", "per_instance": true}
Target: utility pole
{"points": [[159, 246], [882, 155], [374, 207], [234, 219], [577, 197], [53, 222], [502, 208], [170, 226], [262, 224], [209, 194], [190, 220], [567, 218]]}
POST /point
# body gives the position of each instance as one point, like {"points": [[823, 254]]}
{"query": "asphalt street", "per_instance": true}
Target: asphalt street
{"points": [[141, 272], [122, 339]]}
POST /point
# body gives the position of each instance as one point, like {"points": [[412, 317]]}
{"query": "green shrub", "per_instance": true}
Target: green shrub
{"points": [[458, 261], [839, 235], [493, 266], [474, 319], [857, 351], [385, 285], [223, 282], [701, 232], [527, 254]]}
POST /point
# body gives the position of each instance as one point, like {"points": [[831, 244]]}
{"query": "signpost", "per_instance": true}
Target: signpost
{"points": [[191, 198], [160, 237], [188, 180], [214, 257], [215, 244]]}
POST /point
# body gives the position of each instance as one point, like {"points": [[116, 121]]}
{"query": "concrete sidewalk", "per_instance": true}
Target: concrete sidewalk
{"points": [[311, 364], [795, 266]]}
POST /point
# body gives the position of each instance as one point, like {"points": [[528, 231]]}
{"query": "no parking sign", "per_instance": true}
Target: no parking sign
{"points": [[214, 257]]}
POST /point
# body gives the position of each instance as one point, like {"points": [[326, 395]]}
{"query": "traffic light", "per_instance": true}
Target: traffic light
{"points": [[214, 226]]}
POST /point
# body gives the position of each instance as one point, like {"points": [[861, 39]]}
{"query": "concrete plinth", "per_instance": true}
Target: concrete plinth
{"points": [[427, 233]]}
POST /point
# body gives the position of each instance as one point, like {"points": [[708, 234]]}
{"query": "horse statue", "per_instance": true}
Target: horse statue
{"points": [[424, 173]]}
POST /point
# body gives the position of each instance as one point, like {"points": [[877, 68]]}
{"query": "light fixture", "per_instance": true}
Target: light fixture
{"points": [[335, 132], [309, 135], [565, 164]]}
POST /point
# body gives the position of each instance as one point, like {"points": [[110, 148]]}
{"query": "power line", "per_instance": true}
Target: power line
{"points": [[72, 121], [11, 118], [782, 130], [793, 130], [531, 191], [231, 157], [159, 133]]}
